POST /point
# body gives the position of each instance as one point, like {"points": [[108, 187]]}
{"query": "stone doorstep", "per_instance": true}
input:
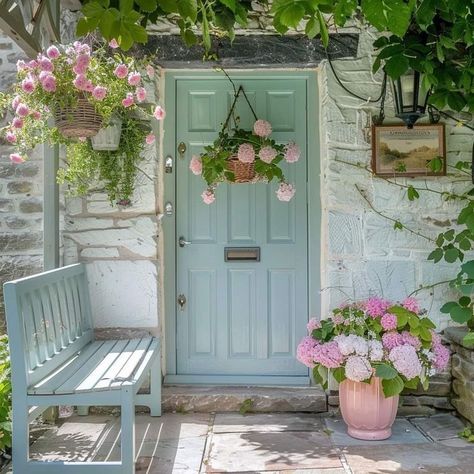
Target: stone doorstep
{"points": [[206, 399]]}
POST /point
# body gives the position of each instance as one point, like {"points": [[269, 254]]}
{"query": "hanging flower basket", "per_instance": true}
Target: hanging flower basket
{"points": [[243, 172], [245, 156], [78, 120], [108, 138]]}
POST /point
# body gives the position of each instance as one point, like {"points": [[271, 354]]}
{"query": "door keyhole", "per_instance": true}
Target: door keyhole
{"points": [[181, 301]]}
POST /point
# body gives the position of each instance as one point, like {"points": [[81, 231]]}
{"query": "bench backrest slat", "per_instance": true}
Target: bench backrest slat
{"points": [[49, 317]]}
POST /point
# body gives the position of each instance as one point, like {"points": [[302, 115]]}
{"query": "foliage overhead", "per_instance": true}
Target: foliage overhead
{"points": [[434, 37]]}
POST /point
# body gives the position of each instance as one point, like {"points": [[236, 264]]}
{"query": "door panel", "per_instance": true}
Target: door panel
{"points": [[241, 318]]}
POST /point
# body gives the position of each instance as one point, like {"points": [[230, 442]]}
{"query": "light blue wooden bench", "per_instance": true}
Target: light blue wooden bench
{"points": [[56, 361]]}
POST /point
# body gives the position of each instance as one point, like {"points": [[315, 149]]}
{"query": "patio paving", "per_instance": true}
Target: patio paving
{"points": [[268, 443]]}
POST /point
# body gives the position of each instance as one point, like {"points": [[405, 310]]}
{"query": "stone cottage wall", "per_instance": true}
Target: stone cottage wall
{"points": [[21, 203]]}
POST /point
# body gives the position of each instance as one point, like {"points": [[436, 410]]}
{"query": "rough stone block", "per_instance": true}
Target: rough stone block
{"points": [[19, 187], [7, 205], [15, 222], [17, 242], [345, 234], [31, 205]]}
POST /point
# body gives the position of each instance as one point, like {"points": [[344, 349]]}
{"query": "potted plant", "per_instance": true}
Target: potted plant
{"points": [[82, 90], [245, 156], [374, 349]]}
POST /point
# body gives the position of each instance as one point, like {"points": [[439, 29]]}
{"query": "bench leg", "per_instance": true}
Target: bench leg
{"points": [[155, 387], [127, 420], [20, 436]]}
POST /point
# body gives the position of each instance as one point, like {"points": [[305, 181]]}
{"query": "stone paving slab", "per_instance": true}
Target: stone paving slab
{"points": [[267, 451], [403, 432], [271, 422], [439, 427]]}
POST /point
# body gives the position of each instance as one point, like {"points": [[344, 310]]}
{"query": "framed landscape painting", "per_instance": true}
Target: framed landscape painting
{"points": [[400, 151]]}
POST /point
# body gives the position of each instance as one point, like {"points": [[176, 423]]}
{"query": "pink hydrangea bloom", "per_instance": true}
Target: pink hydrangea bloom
{"points": [[246, 153], [113, 43], [441, 356], [16, 100], [292, 152], [121, 71], [49, 83], [435, 338], [22, 110], [16, 158], [358, 368], [411, 304], [195, 165], [128, 101], [28, 85], [52, 52], [140, 93], [262, 128], [134, 78], [267, 154], [313, 324], [99, 92], [285, 192], [150, 139], [208, 196], [46, 65], [411, 340], [159, 113], [405, 360], [10, 137], [17, 122], [150, 71], [376, 307], [337, 319], [328, 355], [391, 340], [375, 350], [389, 322], [305, 351]]}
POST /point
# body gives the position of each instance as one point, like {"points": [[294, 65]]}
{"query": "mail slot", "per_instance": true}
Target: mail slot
{"points": [[242, 254]]}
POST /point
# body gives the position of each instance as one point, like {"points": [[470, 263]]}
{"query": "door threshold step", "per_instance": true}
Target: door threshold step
{"points": [[218, 398]]}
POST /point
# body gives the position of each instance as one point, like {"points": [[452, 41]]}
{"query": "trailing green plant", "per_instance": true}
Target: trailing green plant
{"points": [[434, 37], [5, 396], [467, 434], [115, 171]]}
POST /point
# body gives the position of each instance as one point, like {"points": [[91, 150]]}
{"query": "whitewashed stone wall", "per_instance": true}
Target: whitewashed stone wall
{"points": [[362, 254]]}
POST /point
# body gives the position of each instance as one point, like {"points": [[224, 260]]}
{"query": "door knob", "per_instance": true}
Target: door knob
{"points": [[181, 301], [181, 149], [182, 242]]}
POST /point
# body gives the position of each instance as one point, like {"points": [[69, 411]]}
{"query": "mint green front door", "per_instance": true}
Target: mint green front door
{"points": [[240, 318]]}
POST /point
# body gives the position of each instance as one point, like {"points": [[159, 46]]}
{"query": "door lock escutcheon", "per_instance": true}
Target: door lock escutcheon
{"points": [[181, 149], [169, 164], [181, 301]]}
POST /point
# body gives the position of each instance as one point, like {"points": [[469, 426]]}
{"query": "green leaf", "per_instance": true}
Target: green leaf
{"points": [[469, 339], [398, 225], [230, 4], [188, 9], [451, 255], [468, 268], [147, 5], [324, 29], [412, 193], [312, 28], [92, 9], [385, 371], [436, 164], [138, 33], [425, 334], [396, 66], [292, 15], [168, 6], [412, 384], [464, 301], [461, 315], [392, 387], [126, 6], [109, 25], [339, 374], [393, 15], [447, 307], [456, 101], [86, 25]]}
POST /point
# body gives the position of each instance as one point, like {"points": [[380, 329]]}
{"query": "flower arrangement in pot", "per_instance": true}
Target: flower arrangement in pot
{"points": [[81, 90], [243, 156], [374, 349]]}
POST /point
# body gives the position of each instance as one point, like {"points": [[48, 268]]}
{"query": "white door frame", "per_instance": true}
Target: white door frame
{"points": [[168, 260]]}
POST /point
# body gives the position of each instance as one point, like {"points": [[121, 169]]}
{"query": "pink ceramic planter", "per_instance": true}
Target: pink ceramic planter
{"points": [[367, 413]]}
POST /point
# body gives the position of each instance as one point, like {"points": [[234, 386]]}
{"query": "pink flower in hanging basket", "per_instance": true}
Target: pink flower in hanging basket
{"points": [[28, 85], [113, 43], [17, 122], [83, 61], [128, 101], [36, 115], [22, 110], [16, 100], [150, 71], [262, 128], [150, 139], [195, 165], [285, 192], [267, 154], [99, 92], [79, 70], [246, 153], [21, 65], [45, 64], [292, 152], [140, 92], [49, 83], [16, 158], [121, 71], [10, 137], [134, 78], [80, 82], [159, 113], [208, 196], [52, 52]]}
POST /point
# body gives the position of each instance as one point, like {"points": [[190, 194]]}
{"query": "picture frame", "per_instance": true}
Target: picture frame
{"points": [[400, 151]]}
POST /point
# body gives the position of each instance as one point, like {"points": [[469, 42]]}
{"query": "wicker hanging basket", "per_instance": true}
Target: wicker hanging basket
{"points": [[243, 172], [80, 120]]}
